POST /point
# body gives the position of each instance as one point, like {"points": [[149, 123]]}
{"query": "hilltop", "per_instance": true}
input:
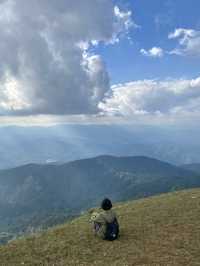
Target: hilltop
{"points": [[162, 230]]}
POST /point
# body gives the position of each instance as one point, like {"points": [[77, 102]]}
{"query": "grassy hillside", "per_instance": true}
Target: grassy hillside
{"points": [[162, 230]]}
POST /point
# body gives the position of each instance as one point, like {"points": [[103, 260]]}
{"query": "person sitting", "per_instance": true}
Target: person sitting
{"points": [[105, 223]]}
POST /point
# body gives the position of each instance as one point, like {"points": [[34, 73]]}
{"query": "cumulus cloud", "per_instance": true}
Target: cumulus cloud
{"points": [[151, 97], [44, 65], [188, 42], [153, 52]]}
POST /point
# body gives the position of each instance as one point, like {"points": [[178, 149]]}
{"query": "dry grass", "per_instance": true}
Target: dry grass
{"points": [[163, 230]]}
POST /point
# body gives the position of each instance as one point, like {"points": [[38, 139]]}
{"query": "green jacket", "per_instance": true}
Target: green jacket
{"points": [[101, 219]]}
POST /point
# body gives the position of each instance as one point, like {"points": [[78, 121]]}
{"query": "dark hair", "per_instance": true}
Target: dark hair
{"points": [[106, 204]]}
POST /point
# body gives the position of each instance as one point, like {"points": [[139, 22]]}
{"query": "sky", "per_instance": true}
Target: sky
{"points": [[99, 61], [156, 19]]}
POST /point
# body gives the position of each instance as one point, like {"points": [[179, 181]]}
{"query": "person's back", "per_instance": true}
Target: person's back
{"points": [[105, 223]]}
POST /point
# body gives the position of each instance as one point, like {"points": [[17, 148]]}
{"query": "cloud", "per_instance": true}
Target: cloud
{"points": [[151, 97], [153, 52], [188, 42], [44, 65]]}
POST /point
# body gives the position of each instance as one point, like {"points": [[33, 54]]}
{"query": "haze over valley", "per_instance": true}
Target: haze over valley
{"points": [[62, 143]]}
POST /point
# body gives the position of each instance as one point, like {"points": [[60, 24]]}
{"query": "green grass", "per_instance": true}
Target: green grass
{"points": [[162, 230]]}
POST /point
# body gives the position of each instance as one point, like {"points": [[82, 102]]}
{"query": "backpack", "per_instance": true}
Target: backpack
{"points": [[112, 230]]}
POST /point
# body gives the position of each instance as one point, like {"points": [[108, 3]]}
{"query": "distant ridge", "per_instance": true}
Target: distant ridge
{"points": [[195, 167]]}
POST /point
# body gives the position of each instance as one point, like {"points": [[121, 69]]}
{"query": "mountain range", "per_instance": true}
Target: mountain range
{"points": [[36, 195]]}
